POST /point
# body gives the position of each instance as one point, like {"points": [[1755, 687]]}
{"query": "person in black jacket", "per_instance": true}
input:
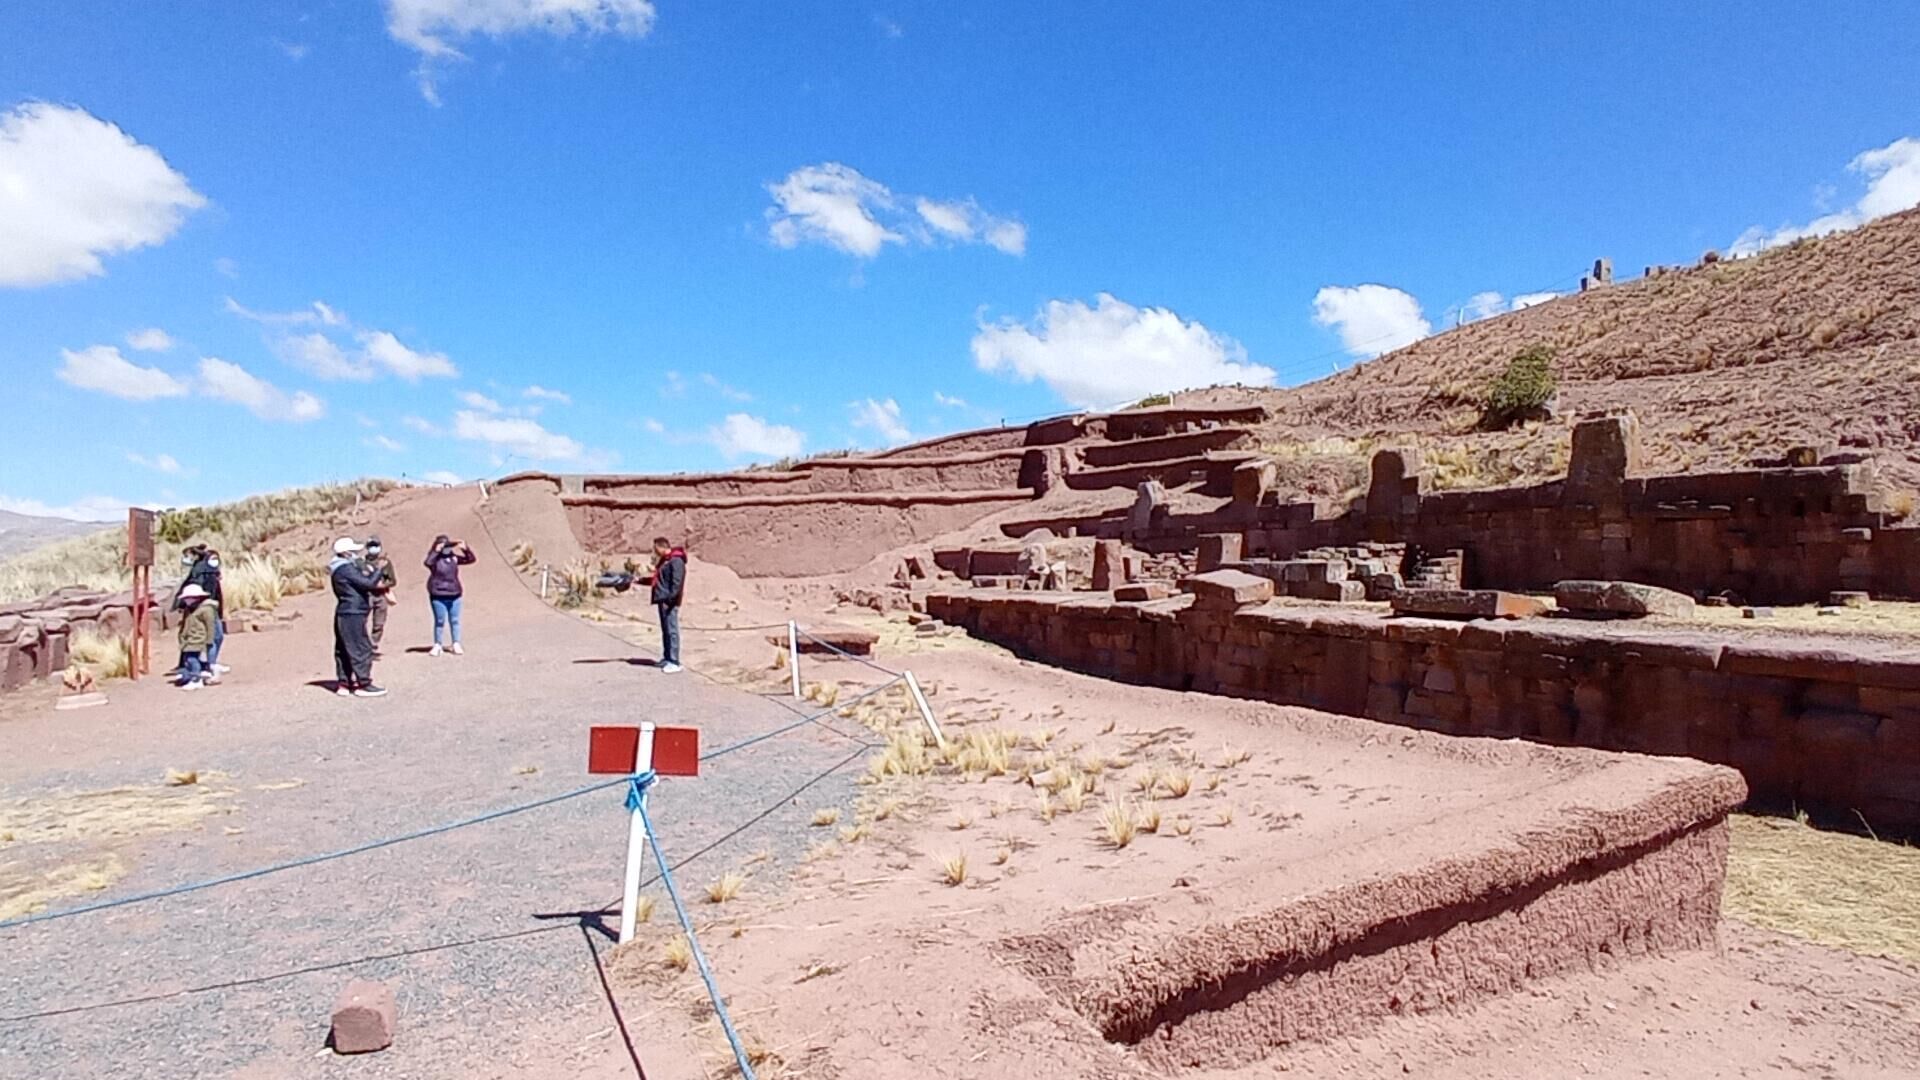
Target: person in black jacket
{"points": [[353, 588], [669, 585]]}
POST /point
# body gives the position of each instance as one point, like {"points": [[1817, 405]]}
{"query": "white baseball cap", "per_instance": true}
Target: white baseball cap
{"points": [[346, 545]]}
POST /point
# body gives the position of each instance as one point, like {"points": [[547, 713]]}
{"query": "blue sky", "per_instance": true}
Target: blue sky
{"points": [[451, 238]]}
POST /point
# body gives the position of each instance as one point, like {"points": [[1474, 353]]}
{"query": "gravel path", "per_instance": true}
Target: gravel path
{"points": [[478, 930]]}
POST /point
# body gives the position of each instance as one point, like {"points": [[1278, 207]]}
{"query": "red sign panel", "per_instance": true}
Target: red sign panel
{"points": [[676, 750]]}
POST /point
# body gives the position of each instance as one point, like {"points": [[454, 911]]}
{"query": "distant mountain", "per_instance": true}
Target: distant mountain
{"points": [[21, 533]]}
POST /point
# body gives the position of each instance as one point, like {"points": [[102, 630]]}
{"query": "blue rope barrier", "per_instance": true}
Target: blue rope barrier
{"points": [[800, 723], [638, 785], [358, 849], [845, 655]]}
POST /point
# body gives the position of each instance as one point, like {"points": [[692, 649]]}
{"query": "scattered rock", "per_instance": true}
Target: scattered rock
{"points": [[1140, 592], [363, 1018], [1467, 604], [1848, 599], [1756, 613], [1620, 598], [1227, 589]]}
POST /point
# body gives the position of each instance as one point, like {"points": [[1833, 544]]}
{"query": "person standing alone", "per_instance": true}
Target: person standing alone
{"points": [[444, 561], [378, 562], [353, 587], [669, 585]]}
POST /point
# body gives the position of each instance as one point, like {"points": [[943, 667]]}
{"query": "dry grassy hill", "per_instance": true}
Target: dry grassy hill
{"points": [[1814, 343]]}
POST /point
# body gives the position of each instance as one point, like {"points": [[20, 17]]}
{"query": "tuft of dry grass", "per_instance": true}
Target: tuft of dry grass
{"points": [[1232, 758], [1147, 781], [1177, 783], [885, 809], [522, 556], [1182, 827], [1073, 797], [1150, 819], [182, 777], [1845, 891], [643, 910], [953, 870], [825, 816], [1224, 818], [104, 656], [678, 953], [1046, 808], [961, 823], [1118, 823], [1038, 738], [726, 888], [853, 834]]}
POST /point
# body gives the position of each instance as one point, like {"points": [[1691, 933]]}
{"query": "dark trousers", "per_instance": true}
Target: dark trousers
{"points": [[669, 633], [377, 621], [352, 651]]}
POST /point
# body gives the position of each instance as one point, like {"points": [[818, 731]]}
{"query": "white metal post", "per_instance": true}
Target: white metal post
{"points": [[920, 701], [793, 656], [544, 570], [636, 843]]}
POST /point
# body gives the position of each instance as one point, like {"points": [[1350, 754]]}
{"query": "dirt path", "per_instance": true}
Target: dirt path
{"points": [[241, 978]]}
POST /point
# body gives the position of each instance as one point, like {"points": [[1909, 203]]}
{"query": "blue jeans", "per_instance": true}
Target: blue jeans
{"points": [[669, 633], [190, 669], [446, 613], [219, 636]]}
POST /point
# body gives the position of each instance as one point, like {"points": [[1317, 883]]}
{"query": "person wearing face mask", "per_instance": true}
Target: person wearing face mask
{"points": [[375, 559], [203, 569]]}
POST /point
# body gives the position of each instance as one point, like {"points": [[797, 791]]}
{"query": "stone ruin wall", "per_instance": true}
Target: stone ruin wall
{"points": [[1830, 727], [1783, 534], [35, 634]]}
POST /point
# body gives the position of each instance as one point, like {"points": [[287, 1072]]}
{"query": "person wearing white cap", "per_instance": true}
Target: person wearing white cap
{"points": [[354, 584], [196, 635]]}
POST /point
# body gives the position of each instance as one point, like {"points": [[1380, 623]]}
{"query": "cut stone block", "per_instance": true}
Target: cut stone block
{"points": [[1228, 589], [1109, 565], [1624, 598], [1467, 604], [1217, 549], [1141, 592], [1848, 598], [1252, 480], [816, 639], [1346, 592], [363, 1018]]}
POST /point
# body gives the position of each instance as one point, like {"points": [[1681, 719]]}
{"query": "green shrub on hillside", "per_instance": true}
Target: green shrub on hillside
{"points": [[1521, 392], [1153, 401]]}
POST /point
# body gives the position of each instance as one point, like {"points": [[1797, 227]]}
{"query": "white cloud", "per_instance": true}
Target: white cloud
{"points": [[386, 350], [654, 427], [1527, 300], [74, 188], [541, 393], [1094, 357], [314, 314], [949, 400], [964, 222], [295, 51], [1483, 304], [1892, 175], [883, 418], [741, 435], [675, 386], [835, 205], [318, 355], [442, 476], [431, 27], [226, 381], [152, 339], [830, 204], [102, 369], [383, 442], [162, 463], [516, 437], [226, 267], [725, 391], [473, 399], [1371, 319], [421, 425], [102, 508]]}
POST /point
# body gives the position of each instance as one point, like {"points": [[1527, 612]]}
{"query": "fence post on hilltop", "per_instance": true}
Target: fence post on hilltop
{"points": [[636, 840], [793, 656], [926, 713], [544, 571]]}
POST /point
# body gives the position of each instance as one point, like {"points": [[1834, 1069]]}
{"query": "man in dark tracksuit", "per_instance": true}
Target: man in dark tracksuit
{"points": [[353, 588], [669, 585]]}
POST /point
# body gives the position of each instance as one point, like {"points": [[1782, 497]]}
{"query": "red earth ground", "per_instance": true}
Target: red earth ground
{"points": [[852, 960]]}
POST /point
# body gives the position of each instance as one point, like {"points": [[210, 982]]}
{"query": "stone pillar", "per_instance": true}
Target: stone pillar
{"points": [[1109, 565], [1397, 485], [1149, 508], [1606, 450]]}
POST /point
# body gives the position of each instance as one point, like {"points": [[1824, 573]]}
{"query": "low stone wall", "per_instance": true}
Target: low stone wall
{"points": [[1828, 724], [35, 634], [781, 535]]}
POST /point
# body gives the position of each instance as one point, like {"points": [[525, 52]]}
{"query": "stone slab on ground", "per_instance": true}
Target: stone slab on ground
{"points": [[1227, 588], [1143, 591], [363, 1018], [1467, 604], [1621, 598], [826, 639]]}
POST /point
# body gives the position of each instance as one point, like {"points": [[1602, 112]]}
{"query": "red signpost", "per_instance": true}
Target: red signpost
{"points": [[636, 751], [140, 561]]}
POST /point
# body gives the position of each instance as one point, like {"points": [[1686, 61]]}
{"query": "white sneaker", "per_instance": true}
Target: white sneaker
{"points": [[457, 650], [341, 691], [669, 668], [221, 669], [194, 685], [435, 651]]}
